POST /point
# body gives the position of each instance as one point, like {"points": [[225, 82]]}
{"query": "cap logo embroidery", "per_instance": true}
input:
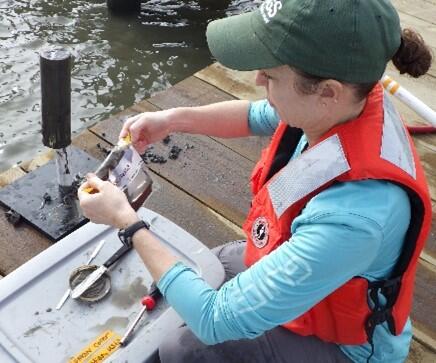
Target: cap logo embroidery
{"points": [[260, 232], [269, 9]]}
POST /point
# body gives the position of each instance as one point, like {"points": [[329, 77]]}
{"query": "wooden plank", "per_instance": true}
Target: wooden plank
{"points": [[430, 247], [424, 340], [428, 159], [18, 244], [110, 128], [92, 144], [427, 155], [210, 172], [38, 161], [420, 354], [239, 84], [195, 92], [11, 175], [419, 15], [189, 92], [423, 315], [190, 214], [248, 147], [420, 9]]}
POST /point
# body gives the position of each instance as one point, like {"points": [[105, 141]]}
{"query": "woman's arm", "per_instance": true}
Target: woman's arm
{"points": [[224, 119], [326, 250], [110, 206]]}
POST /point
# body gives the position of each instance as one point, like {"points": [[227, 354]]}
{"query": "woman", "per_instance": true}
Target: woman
{"points": [[340, 209]]}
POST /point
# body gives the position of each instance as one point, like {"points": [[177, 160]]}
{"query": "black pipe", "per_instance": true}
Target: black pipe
{"points": [[55, 68], [124, 6]]}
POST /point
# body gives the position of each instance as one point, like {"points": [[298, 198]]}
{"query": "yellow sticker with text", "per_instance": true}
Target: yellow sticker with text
{"points": [[99, 349]]}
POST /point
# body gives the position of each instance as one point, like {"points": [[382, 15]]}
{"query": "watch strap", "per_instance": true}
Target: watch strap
{"points": [[126, 234]]}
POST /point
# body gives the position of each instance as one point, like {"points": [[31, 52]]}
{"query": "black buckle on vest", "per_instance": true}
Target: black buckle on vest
{"points": [[381, 313]]}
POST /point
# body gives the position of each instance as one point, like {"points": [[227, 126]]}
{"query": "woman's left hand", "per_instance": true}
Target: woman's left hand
{"points": [[106, 204]]}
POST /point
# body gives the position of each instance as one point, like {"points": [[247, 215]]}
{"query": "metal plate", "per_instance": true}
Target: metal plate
{"points": [[32, 330], [61, 215]]}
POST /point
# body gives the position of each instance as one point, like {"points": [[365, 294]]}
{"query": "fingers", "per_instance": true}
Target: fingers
{"points": [[126, 126], [94, 181], [92, 185]]}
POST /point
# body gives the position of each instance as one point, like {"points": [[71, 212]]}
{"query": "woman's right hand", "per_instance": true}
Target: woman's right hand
{"points": [[147, 128]]}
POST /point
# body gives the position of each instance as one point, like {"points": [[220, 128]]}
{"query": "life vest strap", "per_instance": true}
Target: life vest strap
{"points": [[390, 289]]}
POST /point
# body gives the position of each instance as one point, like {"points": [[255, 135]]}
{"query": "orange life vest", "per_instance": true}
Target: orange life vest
{"points": [[376, 145]]}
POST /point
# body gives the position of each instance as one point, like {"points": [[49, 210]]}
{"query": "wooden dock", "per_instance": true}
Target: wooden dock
{"points": [[206, 191]]}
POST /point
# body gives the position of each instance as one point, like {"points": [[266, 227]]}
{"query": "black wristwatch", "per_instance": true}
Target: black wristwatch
{"points": [[125, 235]]}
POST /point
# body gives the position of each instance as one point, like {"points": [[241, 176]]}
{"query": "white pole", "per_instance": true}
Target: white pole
{"points": [[394, 88]]}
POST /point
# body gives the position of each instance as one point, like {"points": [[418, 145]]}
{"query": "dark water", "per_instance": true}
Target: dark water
{"points": [[118, 60]]}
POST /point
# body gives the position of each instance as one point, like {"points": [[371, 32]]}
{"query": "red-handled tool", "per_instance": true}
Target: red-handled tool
{"points": [[148, 303]]}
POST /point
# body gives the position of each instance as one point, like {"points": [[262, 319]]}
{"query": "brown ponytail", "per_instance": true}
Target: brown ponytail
{"points": [[414, 56]]}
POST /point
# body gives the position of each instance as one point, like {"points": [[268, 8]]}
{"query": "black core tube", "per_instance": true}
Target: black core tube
{"points": [[55, 68]]}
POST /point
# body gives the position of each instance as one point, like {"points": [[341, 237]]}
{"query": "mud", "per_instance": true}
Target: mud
{"points": [[46, 198], [130, 294], [31, 331], [78, 180], [67, 163], [13, 217], [69, 195], [174, 152], [166, 140], [104, 149], [151, 157], [44, 326]]}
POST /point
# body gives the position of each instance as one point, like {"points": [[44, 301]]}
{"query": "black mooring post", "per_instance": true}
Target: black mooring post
{"points": [[55, 65], [55, 68]]}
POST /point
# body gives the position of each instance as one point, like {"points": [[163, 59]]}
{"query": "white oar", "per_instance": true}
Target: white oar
{"points": [[394, 88]]}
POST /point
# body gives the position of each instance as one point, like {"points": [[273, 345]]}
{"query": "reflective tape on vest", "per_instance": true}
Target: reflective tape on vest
{"points": [[395, 146], [311, 170]]}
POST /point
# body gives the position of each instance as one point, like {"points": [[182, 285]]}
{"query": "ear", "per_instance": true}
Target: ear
{"points": [[330, 91]]}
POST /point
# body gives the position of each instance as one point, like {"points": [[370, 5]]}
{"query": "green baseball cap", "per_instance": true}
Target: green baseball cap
{"points": [[347, 40]]}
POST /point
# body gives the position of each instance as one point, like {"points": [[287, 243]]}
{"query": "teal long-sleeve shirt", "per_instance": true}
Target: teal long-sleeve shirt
{"points": [[352, 228]]}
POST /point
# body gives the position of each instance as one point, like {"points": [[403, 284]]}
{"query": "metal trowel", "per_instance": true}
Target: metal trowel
{"points": [[96, 274]]}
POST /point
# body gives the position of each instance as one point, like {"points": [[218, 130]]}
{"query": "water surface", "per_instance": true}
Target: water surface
{"points": [[118, 60]]}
